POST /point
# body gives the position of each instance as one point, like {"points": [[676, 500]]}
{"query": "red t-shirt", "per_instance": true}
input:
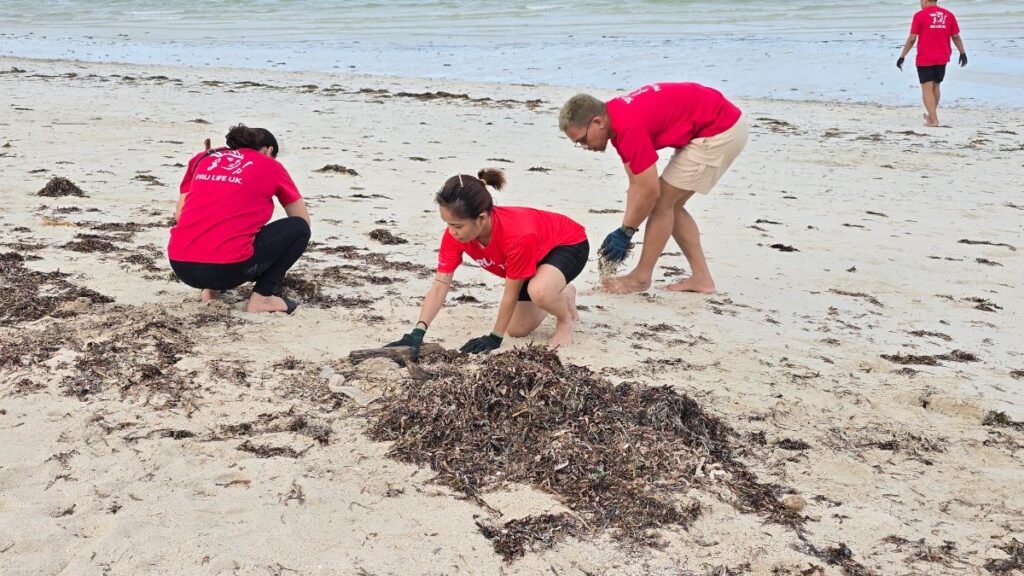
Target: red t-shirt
{"points": [[666, 115], [520, 238], [934, 27], [230, 197]]}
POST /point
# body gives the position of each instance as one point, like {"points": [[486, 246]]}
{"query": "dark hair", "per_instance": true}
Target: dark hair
{"points": [[241, 136], [467, 197]]}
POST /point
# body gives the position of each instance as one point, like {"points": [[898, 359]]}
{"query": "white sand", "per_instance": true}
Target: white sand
{"points": [[776, 350]]}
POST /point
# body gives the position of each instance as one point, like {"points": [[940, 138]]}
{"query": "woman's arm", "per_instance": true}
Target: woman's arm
{"points": [[181, 204], [435, 297], [509, 299], [298, 208]]}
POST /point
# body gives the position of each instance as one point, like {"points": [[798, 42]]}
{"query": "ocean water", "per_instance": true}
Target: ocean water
{"points": [[798, 49]]}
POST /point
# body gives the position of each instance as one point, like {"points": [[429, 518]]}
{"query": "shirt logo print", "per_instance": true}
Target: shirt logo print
{"points": [[230, 161], [632, 95], [938, 19], [487, 263]]}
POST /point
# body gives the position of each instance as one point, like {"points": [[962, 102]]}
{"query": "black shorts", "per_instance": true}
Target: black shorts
{"points": [[569, 260], [931, 73]]}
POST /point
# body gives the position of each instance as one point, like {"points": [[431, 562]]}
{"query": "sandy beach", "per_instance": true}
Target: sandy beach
{"points": [[865, 345]]}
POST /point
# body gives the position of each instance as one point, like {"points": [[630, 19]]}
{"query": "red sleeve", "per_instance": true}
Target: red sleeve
{"points": [[190, 172], [521, 259], [954, 27], [636, 149], [450, 255], [286, 192], [915, 24]]}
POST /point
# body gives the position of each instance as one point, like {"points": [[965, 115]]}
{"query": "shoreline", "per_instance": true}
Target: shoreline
{"points": [[906, 248], [6, 61]]}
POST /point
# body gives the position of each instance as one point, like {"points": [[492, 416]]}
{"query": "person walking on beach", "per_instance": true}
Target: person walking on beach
{"points": [[934, 27], [221, 238], [538, 254], [708, 133]]}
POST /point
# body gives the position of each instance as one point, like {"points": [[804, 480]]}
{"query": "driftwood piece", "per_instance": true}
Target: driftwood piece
{"points": [[399, 354]]}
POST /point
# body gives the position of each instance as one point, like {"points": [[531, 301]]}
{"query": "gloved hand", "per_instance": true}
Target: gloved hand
{"points": [[963, 59], [899, 63], [482, 344], [414, 340], [616, 245]]}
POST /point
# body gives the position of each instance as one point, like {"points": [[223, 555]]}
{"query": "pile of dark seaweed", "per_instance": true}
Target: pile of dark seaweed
{"points": [[621, 456]]}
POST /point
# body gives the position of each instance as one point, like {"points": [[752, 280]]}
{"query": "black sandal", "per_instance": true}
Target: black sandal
{"points": [[292, 305]]}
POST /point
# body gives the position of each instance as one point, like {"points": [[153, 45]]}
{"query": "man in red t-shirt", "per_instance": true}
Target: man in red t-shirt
{"points": [[707, 131], [935, 27]]}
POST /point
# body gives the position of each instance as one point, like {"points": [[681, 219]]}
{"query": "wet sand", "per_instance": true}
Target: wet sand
{"points": [[864, 345]]}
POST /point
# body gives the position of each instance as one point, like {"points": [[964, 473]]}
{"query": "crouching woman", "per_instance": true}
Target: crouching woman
{"points": [[538, 254], [222, 238]]}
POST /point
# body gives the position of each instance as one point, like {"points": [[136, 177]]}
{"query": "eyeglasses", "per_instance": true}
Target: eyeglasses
{"points": [[582, 142]]}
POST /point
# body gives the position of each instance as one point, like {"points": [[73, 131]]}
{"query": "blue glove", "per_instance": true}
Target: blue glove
{"points": [[963, 60], [899, 64], [616, 245]]}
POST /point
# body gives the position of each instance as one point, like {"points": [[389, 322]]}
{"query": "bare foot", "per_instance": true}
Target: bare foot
{"points": [[207, 295], [563, 334], [928, 122], [625, 284], [260, 303], [693, 285], [570, 299]]}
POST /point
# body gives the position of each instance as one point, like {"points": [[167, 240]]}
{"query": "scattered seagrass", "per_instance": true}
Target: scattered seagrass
{"points": [[27, 294]]}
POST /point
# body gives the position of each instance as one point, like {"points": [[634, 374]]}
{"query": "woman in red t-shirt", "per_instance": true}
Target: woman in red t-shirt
{"points": [[538, 253], [221, 239]]}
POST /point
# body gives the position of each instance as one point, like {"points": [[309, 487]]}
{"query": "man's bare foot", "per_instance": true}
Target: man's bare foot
{"points": [[693, 285], [570, 299], [625, 284], [563, 334], [207, 295], [260, 303]]}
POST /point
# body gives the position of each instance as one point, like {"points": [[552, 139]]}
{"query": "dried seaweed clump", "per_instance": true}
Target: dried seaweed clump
{"points": [[1014, 562], [512, 539], [384, 236], [136, 356], [90, 243], [310, 293], [28, 347], [623, 455], [997, 418], [338, 169], [288, 421], [59, 186], [27, 295]]}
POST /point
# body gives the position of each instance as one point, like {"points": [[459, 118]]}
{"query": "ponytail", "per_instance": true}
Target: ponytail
{"points": [[467, 197], [492, 177]]}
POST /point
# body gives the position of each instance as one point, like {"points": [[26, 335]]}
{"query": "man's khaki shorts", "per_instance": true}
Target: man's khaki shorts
{"points": [[700, 164]]}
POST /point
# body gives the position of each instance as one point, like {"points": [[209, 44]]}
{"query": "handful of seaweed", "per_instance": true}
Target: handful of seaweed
{"points": [[606, 268], [623, 456]]}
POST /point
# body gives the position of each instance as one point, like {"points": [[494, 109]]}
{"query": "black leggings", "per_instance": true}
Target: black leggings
{"points": [[275, 250]]}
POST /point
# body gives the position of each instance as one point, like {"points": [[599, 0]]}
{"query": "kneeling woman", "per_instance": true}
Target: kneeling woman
{"points": [[538, 253], [222, 239]]}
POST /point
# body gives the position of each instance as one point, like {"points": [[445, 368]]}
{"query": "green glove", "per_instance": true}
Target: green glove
{"points": [[414, 340]]}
